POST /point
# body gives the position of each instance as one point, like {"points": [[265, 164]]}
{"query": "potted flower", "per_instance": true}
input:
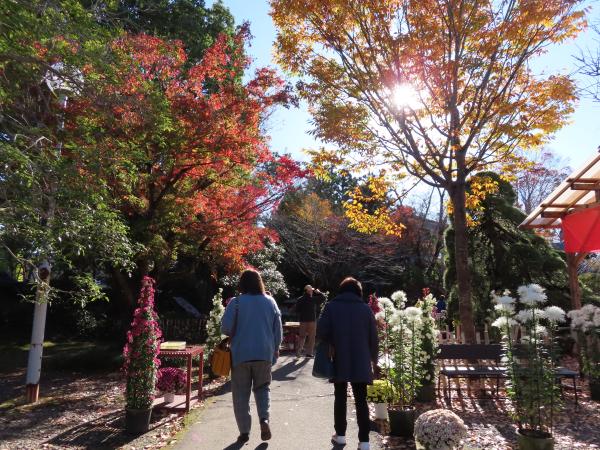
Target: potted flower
{"points": [[585, 322], [408, 369], [429, 346], [170, 381], [531, 365], [439, 429], [141, 361], [380, 393]]}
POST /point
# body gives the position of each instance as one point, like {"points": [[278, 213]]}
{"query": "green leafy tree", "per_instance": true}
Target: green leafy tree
{"points": [[266, 261], [503, 255], [52, 216], [189, 21]]}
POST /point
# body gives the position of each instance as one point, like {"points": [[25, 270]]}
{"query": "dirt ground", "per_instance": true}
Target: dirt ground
{"points": [[490, 426], [77, 411]]}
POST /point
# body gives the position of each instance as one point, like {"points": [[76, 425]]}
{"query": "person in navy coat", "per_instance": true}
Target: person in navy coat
{"points": [[348, 325]]}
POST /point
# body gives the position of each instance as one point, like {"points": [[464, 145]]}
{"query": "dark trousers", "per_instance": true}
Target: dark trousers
{"points": [[362, 409]]}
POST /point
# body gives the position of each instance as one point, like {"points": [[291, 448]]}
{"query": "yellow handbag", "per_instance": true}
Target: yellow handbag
{"points": [[220, 361]]}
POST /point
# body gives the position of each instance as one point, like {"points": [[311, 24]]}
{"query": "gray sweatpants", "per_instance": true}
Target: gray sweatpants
{"points": [[247, 376]]}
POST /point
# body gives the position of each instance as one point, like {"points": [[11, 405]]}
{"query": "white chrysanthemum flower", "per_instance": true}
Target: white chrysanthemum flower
{"points": [[527, 315], [380, 315], [597, 318], [504, 300], [399, 298], [501, 322], [532, 294], [396, 318], [588, 309], [386, 303], [555, 314], [413, 313], [541, 330], [505, 308]]}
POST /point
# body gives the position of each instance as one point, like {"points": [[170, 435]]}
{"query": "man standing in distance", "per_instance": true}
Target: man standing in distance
{"points": [[307, 308]]}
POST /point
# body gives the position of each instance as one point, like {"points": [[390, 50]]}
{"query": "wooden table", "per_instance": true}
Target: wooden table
{"points": [[189, 353]]}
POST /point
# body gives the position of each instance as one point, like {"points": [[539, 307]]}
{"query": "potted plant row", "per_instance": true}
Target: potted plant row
{"points": [[585, 322], [403, 358], [531, 363]]}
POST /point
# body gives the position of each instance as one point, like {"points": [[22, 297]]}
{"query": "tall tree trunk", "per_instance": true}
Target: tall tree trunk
{"points": [[461, 250]]}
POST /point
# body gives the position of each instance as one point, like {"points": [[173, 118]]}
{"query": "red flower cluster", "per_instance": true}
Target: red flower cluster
{"points": [[140, 353], [374, 304], [171, 379]]}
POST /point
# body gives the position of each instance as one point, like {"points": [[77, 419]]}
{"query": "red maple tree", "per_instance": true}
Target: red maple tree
{"points": [[182, 147]]}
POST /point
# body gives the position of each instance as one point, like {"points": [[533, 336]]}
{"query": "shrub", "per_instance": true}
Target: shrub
{"points": [[440, 429], [141, 351], [213, 325]]}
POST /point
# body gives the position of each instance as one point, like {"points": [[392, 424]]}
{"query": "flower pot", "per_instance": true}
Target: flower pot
{"points": [[169, 397], [595, 389], [426, 393], [381, 411], [402, 421], [137, 421], [531, 440]]}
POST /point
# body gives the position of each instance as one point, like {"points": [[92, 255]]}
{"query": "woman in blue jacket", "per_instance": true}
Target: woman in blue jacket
{"points": [[253, 321], [348, 325]]}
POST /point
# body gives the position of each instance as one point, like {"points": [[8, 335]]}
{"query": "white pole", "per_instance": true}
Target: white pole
{"points": [[34, 363]]}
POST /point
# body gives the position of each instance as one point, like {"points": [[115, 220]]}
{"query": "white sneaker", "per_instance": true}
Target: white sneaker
{"points": [[340, 440], [363, 446]]}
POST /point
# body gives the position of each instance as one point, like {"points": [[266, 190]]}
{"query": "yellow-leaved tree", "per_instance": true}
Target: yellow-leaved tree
{"points": [[439, 89]]}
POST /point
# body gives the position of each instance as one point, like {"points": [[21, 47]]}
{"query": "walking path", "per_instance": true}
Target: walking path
{"points": [[301, 416]]}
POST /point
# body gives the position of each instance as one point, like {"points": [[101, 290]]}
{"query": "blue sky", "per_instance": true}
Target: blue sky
{"points": [[289, 129]]}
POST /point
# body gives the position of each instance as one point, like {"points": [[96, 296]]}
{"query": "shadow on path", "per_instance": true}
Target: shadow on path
{"points": [[238, 446], [283, 372]]}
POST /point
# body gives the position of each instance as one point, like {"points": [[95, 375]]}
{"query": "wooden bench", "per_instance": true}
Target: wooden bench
{"points": [[471, 362], [482, 361]]}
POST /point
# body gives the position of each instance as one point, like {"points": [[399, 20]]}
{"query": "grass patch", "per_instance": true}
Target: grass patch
{"points": [[73, 356]]}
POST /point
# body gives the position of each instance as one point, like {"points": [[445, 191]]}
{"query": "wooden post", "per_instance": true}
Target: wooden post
{"points": [[573, 262]]}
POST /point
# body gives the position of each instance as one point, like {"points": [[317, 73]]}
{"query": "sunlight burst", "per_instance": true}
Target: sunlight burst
{"points": [[405, 96]]}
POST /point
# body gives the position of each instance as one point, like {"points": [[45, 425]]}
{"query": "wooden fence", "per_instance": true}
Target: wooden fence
{"points": [[191, 330]]}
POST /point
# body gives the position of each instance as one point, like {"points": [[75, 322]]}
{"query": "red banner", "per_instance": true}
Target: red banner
{"points": [[581, 231]]}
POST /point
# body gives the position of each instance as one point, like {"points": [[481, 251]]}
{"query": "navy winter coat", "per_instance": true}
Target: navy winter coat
{"points": [[349, 325]]}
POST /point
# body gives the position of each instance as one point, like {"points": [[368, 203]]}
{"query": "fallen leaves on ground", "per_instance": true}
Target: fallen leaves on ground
{"points": [[490, 426], [79, 411]]}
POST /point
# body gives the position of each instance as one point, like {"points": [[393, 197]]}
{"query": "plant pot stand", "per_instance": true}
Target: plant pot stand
{"points": [[137, 421], [402, 422], [528, 442], [189, 353]]}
